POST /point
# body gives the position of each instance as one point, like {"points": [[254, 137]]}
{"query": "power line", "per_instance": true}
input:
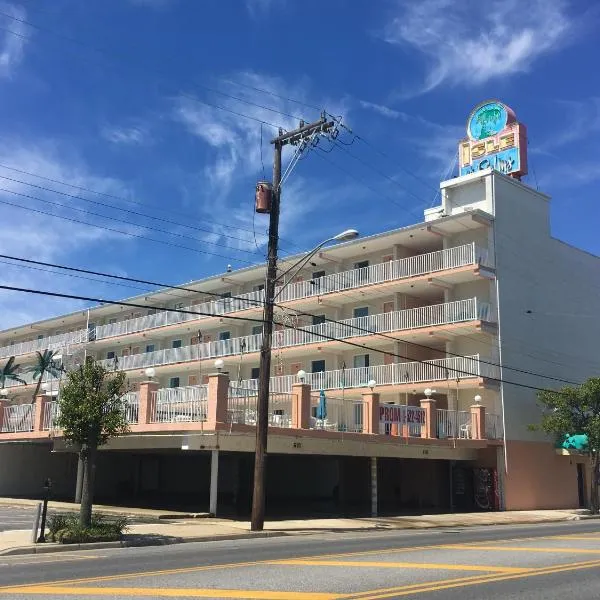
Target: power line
{"points": [[260, 304], [131, 212], [249, 319], [119, 231]]}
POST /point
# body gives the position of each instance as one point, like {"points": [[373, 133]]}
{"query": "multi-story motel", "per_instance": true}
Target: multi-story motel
{"points": [[455, 321]]}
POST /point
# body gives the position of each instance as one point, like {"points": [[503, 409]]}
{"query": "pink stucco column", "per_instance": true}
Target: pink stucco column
{"points": [[3, 404], [370, 412], [478, 422], [146, 405], [218, 393], [41, 402], [429, 428], [301, 401]]}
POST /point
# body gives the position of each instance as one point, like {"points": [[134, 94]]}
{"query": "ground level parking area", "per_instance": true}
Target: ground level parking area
{"points": [[505, 562]]}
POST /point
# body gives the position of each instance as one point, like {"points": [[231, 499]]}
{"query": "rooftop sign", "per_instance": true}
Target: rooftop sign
{"points": [[495, 140]]}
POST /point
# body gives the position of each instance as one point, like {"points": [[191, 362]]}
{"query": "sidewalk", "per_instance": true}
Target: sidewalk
{"points": [[163, 532]]}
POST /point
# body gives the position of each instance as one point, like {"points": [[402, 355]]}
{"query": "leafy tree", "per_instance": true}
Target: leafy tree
{"points": [[576, 411], [91, 412], [10, 372], [44, 363]]}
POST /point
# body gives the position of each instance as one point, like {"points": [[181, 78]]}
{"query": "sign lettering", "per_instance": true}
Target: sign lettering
{"points": [[401, 414]]}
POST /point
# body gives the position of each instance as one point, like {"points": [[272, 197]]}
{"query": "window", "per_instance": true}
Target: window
{"points": [[150, 348], [361, 360], [318, 366], [110, 355], [318, 274], [176, 344], [174, 382], [255, 373], [256, 329], [259, 287], [361, 264], [318, 319], [40, 337], [112, 321], [178, 305], [361, 311], [225, 335]]}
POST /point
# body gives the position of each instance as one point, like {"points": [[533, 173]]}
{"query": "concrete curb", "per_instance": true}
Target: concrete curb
{"points": [[51, 547]]}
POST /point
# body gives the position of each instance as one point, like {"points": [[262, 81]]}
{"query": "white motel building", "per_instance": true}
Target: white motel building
{"points": [[454, 323]]}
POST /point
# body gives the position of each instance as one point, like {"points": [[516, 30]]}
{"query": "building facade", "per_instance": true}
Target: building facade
{"points": [[413, 354]]}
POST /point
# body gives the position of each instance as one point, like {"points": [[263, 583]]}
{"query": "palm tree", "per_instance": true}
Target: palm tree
{"points": [[44, 364], [10, 372]]}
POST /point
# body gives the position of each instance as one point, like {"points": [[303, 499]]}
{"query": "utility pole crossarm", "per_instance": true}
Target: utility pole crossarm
{"points": [[262, 426]]}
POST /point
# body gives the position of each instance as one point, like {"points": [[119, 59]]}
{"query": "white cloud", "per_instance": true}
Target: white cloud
{"points": [[126, 136], [12, 44], [28, 234], [471, 42], [381, 110]]}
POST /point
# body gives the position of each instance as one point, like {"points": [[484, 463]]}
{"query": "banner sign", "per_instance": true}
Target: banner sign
{"points": [[401, 414], [495, 140]]}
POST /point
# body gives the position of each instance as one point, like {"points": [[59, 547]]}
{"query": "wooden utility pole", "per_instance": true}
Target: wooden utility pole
{"points": [[296, 136]]}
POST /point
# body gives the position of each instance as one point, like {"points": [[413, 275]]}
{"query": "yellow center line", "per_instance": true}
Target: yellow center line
{"points": [[401, 565], [444, 585], [119, 592], [525, 549]]}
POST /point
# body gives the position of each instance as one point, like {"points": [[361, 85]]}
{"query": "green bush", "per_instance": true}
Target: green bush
{"points": [[66, 530]]}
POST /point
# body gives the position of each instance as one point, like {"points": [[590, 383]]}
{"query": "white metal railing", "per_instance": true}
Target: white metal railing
{"points": [[51, 414], [280, 409], [442, 369], [459, 311], [49, 343], [337, 414], [454, 424], [17, 418], [179, 405], [131, 406], [431, 262], [493, 427], [28, 378], [241, 405]]}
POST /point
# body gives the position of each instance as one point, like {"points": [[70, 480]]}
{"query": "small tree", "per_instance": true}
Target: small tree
{"points": [[44, 363], [91, 412], [576, 411]]}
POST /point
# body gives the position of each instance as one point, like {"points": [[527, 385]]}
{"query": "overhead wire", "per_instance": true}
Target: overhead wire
{"points": [[259, 303], [249, 319]]}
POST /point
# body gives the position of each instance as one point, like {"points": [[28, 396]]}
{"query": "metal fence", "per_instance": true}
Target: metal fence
{"points": [[179, 405], [454, 424], [18, 418], [337, 414], [493, 427]]}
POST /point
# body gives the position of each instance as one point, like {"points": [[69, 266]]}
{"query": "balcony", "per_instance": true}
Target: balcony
{"points": [[414, 266], [460, 311], [49, 343], [28, 378], [17, 418]]}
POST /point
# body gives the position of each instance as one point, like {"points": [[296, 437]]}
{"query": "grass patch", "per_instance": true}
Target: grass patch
{"points": [[65, 529]]}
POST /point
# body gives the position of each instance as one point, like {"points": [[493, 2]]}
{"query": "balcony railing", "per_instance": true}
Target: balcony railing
{"points": [[459, 311], [179, 405], [51, 414], [242, 403], [29, 379], [17, 418], [454, 424], [338, 414], [53, 342], [413, 266], [493, 427]]}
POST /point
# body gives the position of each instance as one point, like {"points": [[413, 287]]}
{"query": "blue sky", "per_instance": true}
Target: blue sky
{"points": [[111, 96]]}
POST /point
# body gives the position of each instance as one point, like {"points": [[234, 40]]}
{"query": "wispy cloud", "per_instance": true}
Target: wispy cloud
{"points": [[382, 110], [470, 42], [12, 44], [126, 136]]}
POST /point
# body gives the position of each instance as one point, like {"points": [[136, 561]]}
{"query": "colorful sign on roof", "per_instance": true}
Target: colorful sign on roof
{"points": [[495, 140]]}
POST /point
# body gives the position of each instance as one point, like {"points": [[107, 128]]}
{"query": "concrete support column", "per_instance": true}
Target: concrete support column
{"points": [[452, 399], [218, 393], [429, 428], [370, 412], [374, 493], [478, 422], [214, 482], [41, 402], [301, 406], [146, 396]]}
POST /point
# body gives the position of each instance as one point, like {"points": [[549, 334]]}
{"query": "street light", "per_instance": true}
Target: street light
{"points": [[150, 372], [477, 399], [262, 425], [301, 374], [371, 384], [219, 363], [4, 393], [344, 236]]}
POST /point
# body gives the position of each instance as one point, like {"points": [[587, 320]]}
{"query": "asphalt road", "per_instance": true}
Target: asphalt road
{"points": [[504, 562], [16, 518]]}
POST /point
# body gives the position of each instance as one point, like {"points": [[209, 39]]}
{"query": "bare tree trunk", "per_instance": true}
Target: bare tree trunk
{"points": [[594, 500], [38, 385], [89, 452]]}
